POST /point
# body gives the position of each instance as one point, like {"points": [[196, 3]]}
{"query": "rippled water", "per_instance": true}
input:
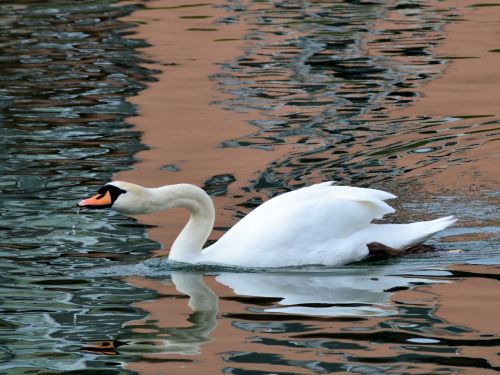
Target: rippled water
{"points": [[66, 70], [326, 76], [323, 76]]}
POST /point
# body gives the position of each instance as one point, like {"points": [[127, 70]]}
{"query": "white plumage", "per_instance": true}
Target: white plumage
{"points": [[320, 224]]}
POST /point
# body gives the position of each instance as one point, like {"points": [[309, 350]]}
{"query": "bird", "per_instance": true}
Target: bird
{"points": [[321, 224]]}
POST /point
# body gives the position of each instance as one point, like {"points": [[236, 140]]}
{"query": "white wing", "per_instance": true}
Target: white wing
{"points": [[311, 225]]}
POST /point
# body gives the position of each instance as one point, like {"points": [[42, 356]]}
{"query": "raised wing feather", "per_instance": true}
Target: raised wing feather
{"points": [[327, 191], [300, 224]]}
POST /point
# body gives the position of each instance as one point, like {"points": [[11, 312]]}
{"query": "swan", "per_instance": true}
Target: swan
{"points": [[322, 224]]}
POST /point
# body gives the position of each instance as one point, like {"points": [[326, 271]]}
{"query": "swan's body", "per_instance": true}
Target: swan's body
{"points": [[319, 224]]}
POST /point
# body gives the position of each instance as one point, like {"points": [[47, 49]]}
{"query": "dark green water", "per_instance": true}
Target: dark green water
{"points": [[66, 71]]}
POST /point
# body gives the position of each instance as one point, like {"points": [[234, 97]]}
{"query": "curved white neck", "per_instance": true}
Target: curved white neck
{"points": [[188, 245]]}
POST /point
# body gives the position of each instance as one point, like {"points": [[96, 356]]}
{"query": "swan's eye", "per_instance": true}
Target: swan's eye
{"points": [[112, 190]]}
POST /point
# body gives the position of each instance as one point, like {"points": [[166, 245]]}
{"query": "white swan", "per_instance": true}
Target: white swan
{"points": [[320, 224]]}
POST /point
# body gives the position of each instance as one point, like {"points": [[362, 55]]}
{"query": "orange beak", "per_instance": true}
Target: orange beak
{"points": [[97, 201]]}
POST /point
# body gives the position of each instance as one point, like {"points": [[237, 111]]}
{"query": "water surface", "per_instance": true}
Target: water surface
{"points": [[321, 77], [65, 73]]}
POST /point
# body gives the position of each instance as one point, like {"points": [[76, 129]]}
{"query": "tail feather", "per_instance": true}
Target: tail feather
{"points": [[426, 229], [403, 236], [441, 223]]}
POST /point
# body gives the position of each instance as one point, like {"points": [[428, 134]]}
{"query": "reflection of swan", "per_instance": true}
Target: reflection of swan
{"points": [[184, 340], [347, 292], [204, 304], [320, 224]]}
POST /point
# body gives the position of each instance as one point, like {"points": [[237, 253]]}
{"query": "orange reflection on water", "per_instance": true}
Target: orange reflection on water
{"points": [[445, 326]]}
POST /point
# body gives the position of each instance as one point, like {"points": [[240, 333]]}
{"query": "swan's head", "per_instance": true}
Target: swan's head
{"points": [[120, 196]]}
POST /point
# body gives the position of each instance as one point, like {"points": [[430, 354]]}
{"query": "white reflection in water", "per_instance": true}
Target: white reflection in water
{"points": [[359, 292], [182, 340], [351, 292]]}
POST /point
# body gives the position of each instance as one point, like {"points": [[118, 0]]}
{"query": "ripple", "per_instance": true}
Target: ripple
{"points": [[64, 79], [321, 79]]}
